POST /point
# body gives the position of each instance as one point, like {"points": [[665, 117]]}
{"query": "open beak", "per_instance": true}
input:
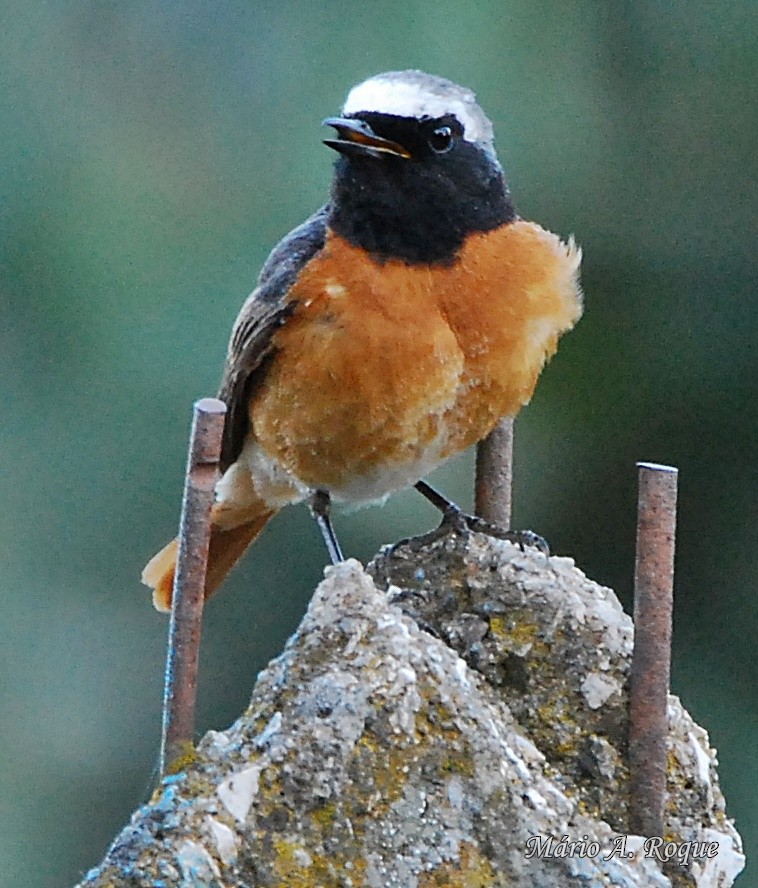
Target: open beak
{"points": [[355, 137]]}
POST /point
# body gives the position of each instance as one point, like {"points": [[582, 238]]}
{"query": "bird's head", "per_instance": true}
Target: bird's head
{"points": [[418, 169]]}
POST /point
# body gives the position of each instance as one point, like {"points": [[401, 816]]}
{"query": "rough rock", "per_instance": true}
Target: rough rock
{"points": [[430, 723]]}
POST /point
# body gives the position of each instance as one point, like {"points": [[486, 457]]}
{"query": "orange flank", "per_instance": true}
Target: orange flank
{"points": [[385, 364]]}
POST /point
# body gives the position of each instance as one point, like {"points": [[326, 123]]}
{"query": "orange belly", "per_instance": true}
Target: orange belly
{"points": [[386, 369]]}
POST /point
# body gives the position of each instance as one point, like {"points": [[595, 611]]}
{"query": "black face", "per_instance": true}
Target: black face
{"points": [[413, 189]]}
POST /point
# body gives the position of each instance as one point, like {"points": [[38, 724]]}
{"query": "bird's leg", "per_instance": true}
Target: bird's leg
{"points": [[320, 507], [457, 521], [453, 517]]}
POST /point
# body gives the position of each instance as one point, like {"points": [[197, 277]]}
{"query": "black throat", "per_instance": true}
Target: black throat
{"points": [[418, 210]]}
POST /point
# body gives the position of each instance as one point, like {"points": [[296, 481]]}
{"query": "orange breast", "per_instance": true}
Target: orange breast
{"points": [[386, 369]]}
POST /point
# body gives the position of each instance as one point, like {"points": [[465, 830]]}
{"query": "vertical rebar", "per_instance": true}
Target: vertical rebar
{"points": [[651, 659], [494, 475], [180, 687]]}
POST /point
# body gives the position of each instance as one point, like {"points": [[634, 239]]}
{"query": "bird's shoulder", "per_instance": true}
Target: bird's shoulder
{"points": [[266, 309]]}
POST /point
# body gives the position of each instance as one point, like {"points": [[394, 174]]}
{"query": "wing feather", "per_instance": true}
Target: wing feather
{"points": [[263, 312]]}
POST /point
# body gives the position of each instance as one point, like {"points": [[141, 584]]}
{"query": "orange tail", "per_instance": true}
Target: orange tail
{"points": [[226, 548]]}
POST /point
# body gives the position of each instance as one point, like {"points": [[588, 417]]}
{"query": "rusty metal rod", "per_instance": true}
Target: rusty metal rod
{"points": [[180, 687], [651, 659], [494, 475]]}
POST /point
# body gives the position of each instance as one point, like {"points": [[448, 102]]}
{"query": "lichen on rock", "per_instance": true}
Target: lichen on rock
{"points": [[427, 719]]}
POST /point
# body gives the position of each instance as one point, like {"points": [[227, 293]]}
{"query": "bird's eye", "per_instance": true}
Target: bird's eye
{"points": [[441, 139]]}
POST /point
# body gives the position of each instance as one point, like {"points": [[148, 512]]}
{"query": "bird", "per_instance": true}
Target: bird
{"points": [[392, 329]]}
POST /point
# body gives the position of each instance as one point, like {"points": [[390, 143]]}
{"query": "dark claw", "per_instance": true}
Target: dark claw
{"points": [[408, 595], [428, 628], [456, 521], [459, 522], [521, 538]]}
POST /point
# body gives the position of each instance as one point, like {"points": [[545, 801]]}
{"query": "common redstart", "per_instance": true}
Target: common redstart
{"points": [[392, 329]]}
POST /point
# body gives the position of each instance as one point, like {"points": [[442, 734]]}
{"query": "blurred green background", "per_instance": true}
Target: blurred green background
{"points": [[152, 154]]}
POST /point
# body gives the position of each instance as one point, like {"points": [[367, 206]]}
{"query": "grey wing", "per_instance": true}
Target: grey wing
{"points": [[266, 309]]}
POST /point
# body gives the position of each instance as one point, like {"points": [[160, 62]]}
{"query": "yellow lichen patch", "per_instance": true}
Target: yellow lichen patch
{"points": [[435, 718], [567, 748], [516, 635], [387, 765], [497, 626], [294, 867], [297, 867], [471, 870], [198, 784], [554, 713], [187, 756], [556, 732], [435, 721], [589, 809], [323, 817], [523, 633], [270, 790], [463, 765]]}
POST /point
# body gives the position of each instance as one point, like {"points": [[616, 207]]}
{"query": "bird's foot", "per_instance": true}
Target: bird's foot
{"points": [[456, 522], [520, 538]]}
